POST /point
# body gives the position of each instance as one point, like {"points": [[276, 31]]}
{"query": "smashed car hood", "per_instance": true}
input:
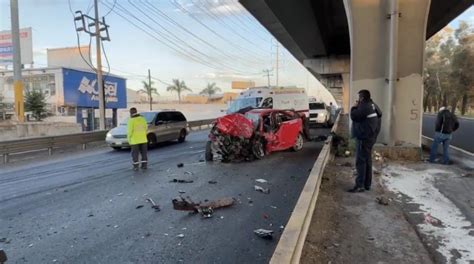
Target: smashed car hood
{"points": [[236, 125]]}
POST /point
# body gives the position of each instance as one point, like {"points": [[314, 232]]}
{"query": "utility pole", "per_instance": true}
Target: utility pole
{"points": [[277, 62], [17, 81], [149, 89], [267, 74], [100, 83]]}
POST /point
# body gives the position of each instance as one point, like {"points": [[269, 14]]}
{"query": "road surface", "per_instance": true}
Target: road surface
{"points": [[463, 138], [81, 208]]}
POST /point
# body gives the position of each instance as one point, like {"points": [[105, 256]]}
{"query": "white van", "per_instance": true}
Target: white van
{"points": [[279, 98], [319, 113]]}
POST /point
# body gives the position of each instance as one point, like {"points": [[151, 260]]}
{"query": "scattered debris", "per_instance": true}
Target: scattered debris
{"points": [[377, 172], [274, 207], [188, 173], [180, 165], [212, 182], [282, 227], [3, 256], [90, 215], [431, 220], [30, 245], [181, 191], [201, 160], [347, 153], [120, 194], [116, 226], [371, 238], [382, 200], [261, 180], [180, 236], [261, 189], [206, 209], [470, 174], [139, 206], [320, 138], [181, 181], [147, 235], [153, 204], [264, 233]]}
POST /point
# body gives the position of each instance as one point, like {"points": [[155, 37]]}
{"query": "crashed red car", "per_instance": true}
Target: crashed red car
{"points": [[254, 134]]}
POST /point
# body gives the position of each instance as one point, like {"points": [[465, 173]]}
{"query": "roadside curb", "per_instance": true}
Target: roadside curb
{"points": [[292, 240]]}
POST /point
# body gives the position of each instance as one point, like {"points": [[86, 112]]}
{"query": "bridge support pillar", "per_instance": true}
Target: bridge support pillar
{"points": [[387, 56], [333, 73]]}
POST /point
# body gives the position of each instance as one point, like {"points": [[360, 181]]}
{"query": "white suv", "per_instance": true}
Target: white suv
{"points": [[319, 114], [164, 125]]}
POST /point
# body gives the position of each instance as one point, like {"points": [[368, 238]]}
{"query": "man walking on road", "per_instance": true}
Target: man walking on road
{"points": [[446, 124], [137, 138], [366, 117]]}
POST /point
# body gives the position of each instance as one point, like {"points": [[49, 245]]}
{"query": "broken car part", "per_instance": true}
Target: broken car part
{"points": [[261, 189], [153, 204], [206, 209], [181, 181], [264, 233]]}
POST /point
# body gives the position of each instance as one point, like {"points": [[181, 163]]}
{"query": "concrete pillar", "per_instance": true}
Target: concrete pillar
{"points": [[346, 104], [330, 69], [369, 27]]}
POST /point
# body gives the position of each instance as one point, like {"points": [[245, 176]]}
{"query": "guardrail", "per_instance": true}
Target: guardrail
{"points": [[50, 143], [292, 240]]}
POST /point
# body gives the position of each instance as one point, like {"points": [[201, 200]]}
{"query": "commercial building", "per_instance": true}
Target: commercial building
{"points": [[71, 93]]}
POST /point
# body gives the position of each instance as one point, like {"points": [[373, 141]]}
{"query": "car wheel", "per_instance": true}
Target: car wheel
{"points": [[299, 143], [258, 150], [182, 136], [151, 140], [209, 156], [117, 148]]}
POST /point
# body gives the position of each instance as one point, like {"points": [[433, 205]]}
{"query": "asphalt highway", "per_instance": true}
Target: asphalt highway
{"points": [[86, 207]]}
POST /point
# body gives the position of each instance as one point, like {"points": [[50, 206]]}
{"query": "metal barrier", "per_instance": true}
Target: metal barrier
{"points": [[50, 143]]}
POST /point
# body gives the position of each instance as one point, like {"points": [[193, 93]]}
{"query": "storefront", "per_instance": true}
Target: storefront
{"points": [[71, 94]]}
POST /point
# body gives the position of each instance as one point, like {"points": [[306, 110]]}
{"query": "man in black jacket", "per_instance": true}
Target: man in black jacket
{"points": [[446, 124], [366, 122]]}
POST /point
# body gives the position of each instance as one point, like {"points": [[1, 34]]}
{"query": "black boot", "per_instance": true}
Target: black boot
{"points": [[356, 190], [144, 165]]}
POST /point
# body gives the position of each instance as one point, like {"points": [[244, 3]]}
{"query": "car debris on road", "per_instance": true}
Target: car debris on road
{"points": [[3, 256], [153, 204], [181, 181], [261, 180], [264, 233], [180, 165], [261, 189], [212, 182], [206, 209]]}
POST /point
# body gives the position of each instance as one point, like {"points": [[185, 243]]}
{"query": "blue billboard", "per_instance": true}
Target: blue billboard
{"points": [[80, 90]]}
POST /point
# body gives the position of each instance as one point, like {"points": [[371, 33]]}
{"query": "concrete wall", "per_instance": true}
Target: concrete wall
{"points": [[370, 34], [26, 130]]}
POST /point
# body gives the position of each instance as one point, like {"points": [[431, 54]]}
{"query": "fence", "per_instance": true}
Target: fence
{"points": [[50, 143]]}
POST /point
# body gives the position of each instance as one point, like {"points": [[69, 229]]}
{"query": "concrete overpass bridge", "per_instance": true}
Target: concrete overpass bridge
{"points": [[351, 45]]}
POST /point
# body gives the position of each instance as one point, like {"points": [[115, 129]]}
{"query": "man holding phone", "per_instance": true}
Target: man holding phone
{"points": [[366, 122]]}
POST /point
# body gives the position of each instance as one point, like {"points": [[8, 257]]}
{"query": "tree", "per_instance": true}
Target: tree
{"points": [[178, 87], [35, 102], [210, 89], [149, 90]]}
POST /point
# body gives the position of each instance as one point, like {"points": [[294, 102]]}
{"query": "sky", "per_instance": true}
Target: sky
{"points": [[198, 41]]}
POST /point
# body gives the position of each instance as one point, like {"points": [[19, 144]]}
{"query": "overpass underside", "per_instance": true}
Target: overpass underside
{"points": [[350, 45]]}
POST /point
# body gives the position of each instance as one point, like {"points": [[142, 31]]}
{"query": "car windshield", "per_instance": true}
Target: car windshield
{"points": [[254, 117], [316, 106], [147, 115], [241, 103]]}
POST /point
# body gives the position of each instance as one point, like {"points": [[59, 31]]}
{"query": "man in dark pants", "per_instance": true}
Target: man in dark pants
{"points": [[366, 121], [137, 138]]}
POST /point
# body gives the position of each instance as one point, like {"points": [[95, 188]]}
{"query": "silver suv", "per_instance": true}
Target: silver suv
{"points": [[163, 125]]}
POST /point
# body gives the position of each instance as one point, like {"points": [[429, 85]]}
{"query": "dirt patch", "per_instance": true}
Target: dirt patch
{"points": [[356, 227]]}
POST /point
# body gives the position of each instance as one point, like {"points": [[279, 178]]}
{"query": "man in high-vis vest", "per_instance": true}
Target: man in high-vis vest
{"points": [[137, 139]]}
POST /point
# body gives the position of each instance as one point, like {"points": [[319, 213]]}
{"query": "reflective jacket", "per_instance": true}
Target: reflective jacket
{"points": [[137, 130], [367, 120]]}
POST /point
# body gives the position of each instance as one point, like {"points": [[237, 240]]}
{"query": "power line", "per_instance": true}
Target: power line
{"points": [[179, 41], [111, 9], [233, 44], [173, 22]]}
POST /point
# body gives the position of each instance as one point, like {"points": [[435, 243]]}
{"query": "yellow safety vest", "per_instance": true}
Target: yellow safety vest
{"points": [[137, 130]]}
